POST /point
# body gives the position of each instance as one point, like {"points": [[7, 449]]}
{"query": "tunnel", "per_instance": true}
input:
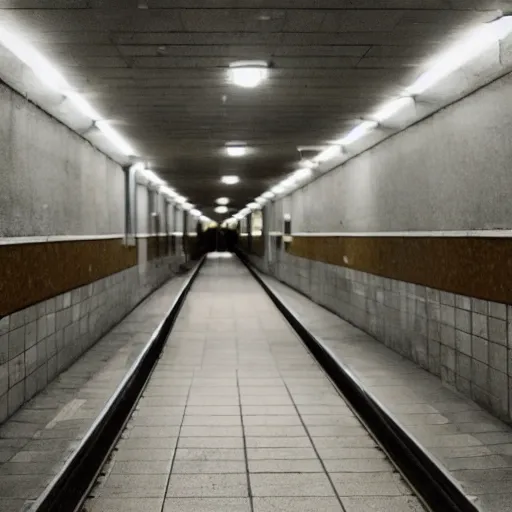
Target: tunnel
{"points": [[255, 255]]}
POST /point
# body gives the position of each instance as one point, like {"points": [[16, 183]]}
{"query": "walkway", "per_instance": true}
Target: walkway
{"points": [[238, 417]]}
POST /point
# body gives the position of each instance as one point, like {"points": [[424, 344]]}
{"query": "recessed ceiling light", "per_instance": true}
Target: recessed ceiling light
{"points": [[230, 180], [221, 209], [222, 201], [248, 73], [236, 148]]}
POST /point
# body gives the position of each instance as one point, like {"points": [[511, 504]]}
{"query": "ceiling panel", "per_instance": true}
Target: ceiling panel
{"points": [[160, 73]]}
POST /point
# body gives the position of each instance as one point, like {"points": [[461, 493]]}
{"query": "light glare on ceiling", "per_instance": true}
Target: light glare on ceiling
{"points": [[230, 180], [221, 209], [223, 201]]}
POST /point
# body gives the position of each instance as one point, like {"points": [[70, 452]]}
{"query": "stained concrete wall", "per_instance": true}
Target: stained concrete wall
{"points": [[451, 171], [52, 181]]}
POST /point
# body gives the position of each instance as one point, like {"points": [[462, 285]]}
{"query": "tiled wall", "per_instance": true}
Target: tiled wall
{"points": [[39, 342], [465, 341]]}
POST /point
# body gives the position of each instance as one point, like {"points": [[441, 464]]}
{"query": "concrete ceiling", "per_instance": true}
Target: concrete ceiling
{"points": [[158, 69]]}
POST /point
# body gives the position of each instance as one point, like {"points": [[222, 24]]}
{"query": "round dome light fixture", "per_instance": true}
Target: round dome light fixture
{"points": [[230, 180], [223, 201], [235, 149], [221, 209], [248, 73]]}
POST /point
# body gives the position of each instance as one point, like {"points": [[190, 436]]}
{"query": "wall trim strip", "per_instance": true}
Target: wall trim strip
{"points": [[481, 233], [55, 238]]}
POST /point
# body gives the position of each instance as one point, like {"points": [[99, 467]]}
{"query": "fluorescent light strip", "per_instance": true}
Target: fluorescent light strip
{"points": [[41, 66], [151, 176], [474, 44], [328, 153], [391, 108], [47, 73], [83, 106], [114, 137], [357, 133]]}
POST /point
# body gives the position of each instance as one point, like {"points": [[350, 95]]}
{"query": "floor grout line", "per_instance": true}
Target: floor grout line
{"points": [[249, 488], [167, 484], [314, 447]]}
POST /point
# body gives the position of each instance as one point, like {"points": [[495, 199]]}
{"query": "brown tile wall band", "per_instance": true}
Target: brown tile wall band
{"points": [[30, 273], [473, 266]]}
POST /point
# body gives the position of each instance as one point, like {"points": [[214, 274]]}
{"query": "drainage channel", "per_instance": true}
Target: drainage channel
{"points": [[433, 485], [70, 487]]}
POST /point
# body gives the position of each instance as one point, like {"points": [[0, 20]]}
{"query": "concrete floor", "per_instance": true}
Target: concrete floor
{"points": [[238, 417]]}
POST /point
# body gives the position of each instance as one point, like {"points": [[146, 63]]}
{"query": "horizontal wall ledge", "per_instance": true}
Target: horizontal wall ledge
{"points": [[482, 233], [55, 238], [479, 267]]}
